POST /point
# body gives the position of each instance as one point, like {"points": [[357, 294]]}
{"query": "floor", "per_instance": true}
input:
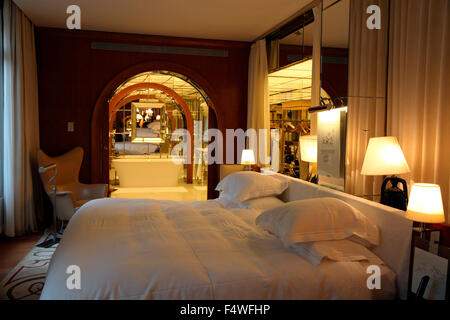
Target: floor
{"points": [[182, 192], [12, 250]]}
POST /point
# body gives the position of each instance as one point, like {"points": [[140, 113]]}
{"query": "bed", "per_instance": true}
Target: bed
{"points": [[150, 249]]}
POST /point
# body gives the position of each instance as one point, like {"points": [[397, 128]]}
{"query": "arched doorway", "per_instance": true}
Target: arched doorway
{"points": [[127, 94], [99, 160], [131, 91]]}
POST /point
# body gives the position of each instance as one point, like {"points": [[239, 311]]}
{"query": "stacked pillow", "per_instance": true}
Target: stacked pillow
{"points": [[322, 228], [317, 229], [252, 190]]}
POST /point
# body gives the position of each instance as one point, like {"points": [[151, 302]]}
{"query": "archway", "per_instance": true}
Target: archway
{"points": [[121, 97], [99, 160]]}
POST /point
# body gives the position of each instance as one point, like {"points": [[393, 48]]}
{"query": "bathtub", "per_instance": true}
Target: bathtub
{"points": [[147, 171]]}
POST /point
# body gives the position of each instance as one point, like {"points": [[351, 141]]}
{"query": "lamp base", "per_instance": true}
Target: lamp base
{"points": [[394, 196]]}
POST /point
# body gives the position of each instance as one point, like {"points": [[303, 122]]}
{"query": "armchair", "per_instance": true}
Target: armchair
{"points": [[71, 194]]}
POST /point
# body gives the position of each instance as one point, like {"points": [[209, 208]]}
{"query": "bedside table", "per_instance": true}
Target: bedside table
{"points": [[435, 265]]}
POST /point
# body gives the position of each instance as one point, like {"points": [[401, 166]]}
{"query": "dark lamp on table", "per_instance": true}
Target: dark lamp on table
{"points": [[384, 157]]}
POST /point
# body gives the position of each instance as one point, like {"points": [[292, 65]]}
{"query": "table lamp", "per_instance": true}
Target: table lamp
{"points": [[425, 205], [308, 153], [384, 157], [247, 159]]}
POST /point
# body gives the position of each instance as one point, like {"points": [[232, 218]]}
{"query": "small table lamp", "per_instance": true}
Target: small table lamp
{"points": [[308, 153], [384, 157], [247, 159], [425, 205]]}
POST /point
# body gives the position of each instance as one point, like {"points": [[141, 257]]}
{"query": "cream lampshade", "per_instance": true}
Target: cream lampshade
{"points": [[384, 157], [248, 157], [425, 204], [308, 148]]}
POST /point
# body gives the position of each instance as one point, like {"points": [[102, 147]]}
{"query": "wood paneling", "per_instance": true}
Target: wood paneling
{"points": [[76, 81]]}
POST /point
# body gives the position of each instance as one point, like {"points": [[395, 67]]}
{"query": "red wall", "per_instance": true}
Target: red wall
{"points": [[72, 77]]}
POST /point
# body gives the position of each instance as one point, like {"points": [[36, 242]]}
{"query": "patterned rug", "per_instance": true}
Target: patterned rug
{"points": [[26, 280]]}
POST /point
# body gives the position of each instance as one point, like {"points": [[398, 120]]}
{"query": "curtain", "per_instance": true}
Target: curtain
{"points": [[22, 197], [367, 93], [419, 89], [274, 61], [258, 111]]}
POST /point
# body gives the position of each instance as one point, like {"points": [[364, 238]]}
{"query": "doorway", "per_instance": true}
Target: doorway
{"points": [[147, 113]]}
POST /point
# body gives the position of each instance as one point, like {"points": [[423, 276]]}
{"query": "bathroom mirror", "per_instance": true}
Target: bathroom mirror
{"points": [[147, 122]]}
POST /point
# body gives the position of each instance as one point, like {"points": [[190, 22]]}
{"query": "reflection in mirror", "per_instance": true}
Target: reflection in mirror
{"points": [[332, 124], [290, 91], [148, 122], [143, 125], [294, 40]]}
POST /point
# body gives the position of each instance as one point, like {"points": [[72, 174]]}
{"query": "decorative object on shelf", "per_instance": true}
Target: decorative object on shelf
{"points": [[54, 232], [425, 205], [308, 153], [292, 121], [384, 157], [247, 159]]}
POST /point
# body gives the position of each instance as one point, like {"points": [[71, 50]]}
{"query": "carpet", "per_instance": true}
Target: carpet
{"points": [[26, 280]]}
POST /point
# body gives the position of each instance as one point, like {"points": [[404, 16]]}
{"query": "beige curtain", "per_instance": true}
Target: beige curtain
{"points": [[419, 89], [258, 111], [367, 88], [20, 123], [274, 61]]}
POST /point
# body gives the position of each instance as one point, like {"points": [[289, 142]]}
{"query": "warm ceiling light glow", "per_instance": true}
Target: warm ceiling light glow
{"points": [[425, 204], [384, 157], [248, 157], [308, 148]]}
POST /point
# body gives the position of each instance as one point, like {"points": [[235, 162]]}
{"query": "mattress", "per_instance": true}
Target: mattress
{"points": [[151, 249]]}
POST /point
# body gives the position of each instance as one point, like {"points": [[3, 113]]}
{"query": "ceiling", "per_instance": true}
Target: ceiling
{"points": [[207, 19], [183, 88], [335, 24], [291, 83]]}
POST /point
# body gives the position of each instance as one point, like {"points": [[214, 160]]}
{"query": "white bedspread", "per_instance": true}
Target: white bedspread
{"points": [[149, 249]]}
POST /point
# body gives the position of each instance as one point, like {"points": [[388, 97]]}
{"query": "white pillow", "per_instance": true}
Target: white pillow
{"points": [[336, 250], [245, 185], [317, 219], [261, 204]]}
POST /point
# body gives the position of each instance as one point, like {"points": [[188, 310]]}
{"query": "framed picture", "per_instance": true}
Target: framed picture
{"points": [[428, 264], [331, 144]]}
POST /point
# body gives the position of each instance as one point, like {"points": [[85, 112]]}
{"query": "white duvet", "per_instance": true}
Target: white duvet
{"points": [[149, 249]]}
